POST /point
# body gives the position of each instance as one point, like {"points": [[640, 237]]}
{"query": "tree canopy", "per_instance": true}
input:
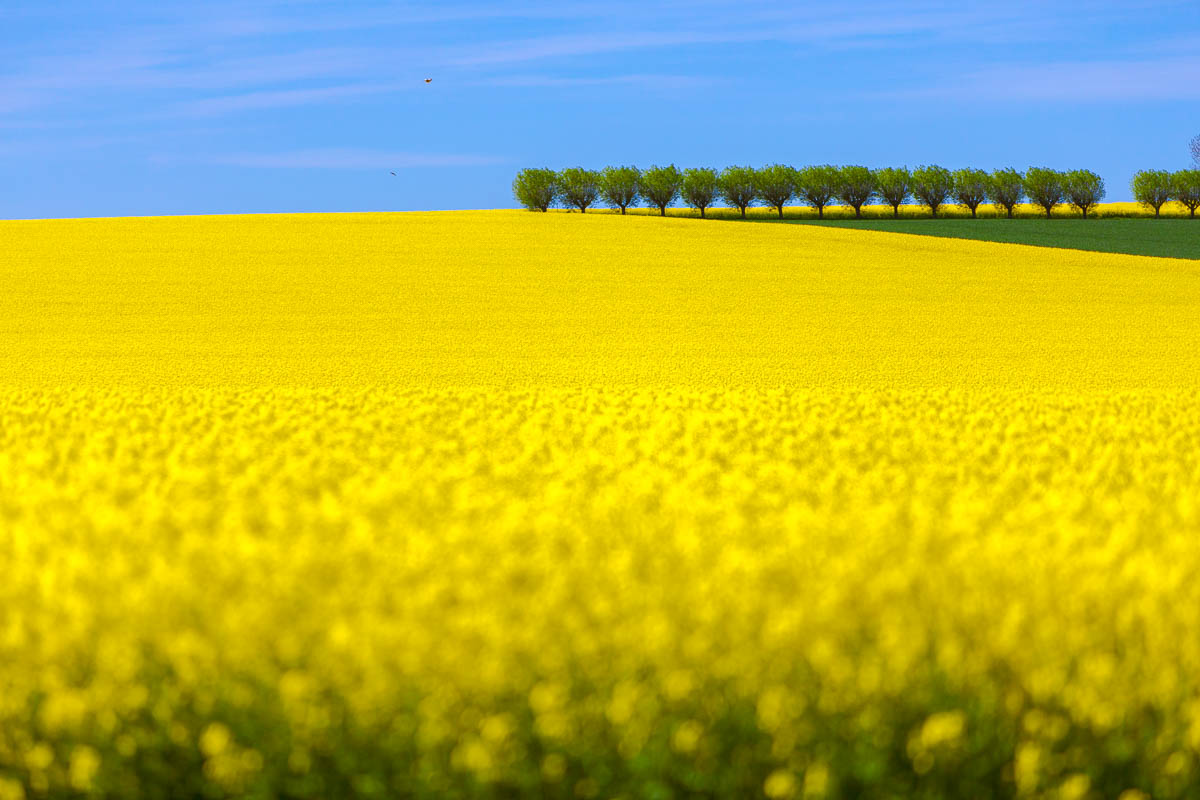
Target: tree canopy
{"points": [[536, 189], [700, 188], [895, 185], [1083, 189], [856, 186], [932, 185], [1186, 187], [738, 187], [1006, 187], [1152, 187], [620, 186], [580, 187], [1044, 187], [971, 188], [817, 186], [775, 185], [660, 186]]}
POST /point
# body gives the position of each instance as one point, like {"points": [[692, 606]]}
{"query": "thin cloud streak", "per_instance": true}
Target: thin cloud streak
{"points": [[287, 98], [108, 68], [350, 158], [882, 30], [1164, 79], [644, 80]]}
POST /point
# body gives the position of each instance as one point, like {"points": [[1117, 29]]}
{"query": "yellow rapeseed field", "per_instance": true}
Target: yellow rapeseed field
{"points": [[498, 504]]}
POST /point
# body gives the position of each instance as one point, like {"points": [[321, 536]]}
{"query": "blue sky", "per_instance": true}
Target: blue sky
{"points": [[140, 108]]}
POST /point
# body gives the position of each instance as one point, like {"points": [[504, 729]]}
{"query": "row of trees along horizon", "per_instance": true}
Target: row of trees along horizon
{"points": [[819, 186]]}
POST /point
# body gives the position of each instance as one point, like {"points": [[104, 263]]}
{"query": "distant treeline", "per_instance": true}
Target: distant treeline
{"points": [[819, 186]]}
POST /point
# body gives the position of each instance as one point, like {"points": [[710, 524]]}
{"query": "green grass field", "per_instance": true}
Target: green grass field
{"points": [[1112, 228], [1172, 238]]}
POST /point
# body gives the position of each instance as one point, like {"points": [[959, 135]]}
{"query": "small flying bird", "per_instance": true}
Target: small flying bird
{"points": [[393, 173], [429, 80]]}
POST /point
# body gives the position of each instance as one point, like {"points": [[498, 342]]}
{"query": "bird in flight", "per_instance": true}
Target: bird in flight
{"points": [[429, 80], [393, 173]]}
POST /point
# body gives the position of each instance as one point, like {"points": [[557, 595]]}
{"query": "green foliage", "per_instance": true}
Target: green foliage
{"points": [[971, 188], [700, 188], [1044, 187], [580, 187], [856, 186], [537, 189], [620, 186], [775, 185], [1186, 188], [660, 186], [818, 185], [1006, 187], [1084, 189], [932, 185], [895, 185], [739, 187], [1152, 187]]}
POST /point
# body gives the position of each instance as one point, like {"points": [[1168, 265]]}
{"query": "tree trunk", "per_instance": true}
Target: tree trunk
{"points": [[1010, 212], [701, 212], [1085, 212], [896, 211], [781, 212], [1156, 210], [743, 212], [973, 212], [1192, 212], [583, 209], [1048, 210], [820, 212], [858, 212], [622, 210]]}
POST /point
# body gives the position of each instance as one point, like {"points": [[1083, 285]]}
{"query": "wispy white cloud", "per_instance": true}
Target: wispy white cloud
{"points": [[1171, 78], [72, 145], [284, 98], [570, 82], [113, 67], [873, 25], [261, 55], [575, 45], [348, 158]]}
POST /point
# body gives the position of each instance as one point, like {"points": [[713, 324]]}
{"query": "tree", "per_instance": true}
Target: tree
{"points": [[775, 185], [1006, 187], [1044, 187], [1084, 189], [1152, 187], [1186, 186], [856, 186], [817, 185], [580, 187], [700, 188], [536, 189], [971, 188], [738, 187], [619, 186], [895, 184], [932, 185], [660, 187]]}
